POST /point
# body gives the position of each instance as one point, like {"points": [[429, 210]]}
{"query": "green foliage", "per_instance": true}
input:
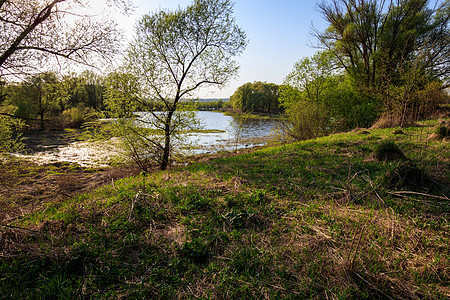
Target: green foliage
{"points": [[393, 50], [75, 117], [122, 95], [175, 53], [319, 100], [256, 97], [215, 104], [55, 102], [10, 141], [313, 75], [305, 119]]}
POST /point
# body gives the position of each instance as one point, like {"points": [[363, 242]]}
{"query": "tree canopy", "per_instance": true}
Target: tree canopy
{"points": [[396, 51], [375, 40], [256, 97]]}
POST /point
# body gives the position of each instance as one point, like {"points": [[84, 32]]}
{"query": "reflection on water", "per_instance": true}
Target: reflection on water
{"points": [[236, 132]]}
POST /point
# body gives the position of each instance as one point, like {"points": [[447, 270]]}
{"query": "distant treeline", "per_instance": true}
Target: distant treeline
{"points": [[212, 104]]}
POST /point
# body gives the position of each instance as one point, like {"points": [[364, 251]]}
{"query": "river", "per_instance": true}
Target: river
{"points": [[219, 132], [230, 132]]}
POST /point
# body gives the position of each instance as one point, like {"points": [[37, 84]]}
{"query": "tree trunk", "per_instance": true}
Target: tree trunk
{"points": [[167, 134], [42, 122]]}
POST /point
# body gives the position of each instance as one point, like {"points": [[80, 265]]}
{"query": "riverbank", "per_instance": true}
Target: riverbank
{"points": [[326, 218], [218, 133]]}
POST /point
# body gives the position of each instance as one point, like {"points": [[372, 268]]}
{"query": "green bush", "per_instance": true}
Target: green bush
{"points": [[75, 117], [9, 141], [443, 129], [307, 120]]}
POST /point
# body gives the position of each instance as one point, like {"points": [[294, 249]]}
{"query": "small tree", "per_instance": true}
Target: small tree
{"points": [[175, 53]]}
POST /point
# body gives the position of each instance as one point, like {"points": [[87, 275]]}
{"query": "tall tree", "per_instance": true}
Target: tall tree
{"points": [[392, 49], [374, 39], [175, 53], [34, 31]]}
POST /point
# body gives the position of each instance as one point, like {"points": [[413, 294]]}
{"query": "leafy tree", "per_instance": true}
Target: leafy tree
{"points": [[391, 49], [319, 98], [175, 53], [84, 89], [256, 97], [312, 75], [42, 93]]}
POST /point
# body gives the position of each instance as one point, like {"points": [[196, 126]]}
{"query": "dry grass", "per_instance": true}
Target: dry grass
{"points": [[305, 221]]}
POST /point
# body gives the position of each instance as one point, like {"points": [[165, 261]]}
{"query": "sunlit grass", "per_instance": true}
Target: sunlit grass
{"points": [[312, 219]]}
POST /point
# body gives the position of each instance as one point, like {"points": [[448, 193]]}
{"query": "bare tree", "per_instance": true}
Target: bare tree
{"points": [[34, 32]]}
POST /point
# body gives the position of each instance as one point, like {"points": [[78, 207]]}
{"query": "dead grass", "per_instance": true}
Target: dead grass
{"points": [[305, 221], [27, 187]]}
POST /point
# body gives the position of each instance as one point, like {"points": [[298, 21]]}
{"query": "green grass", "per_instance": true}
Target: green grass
{"points": [[306, 220]]}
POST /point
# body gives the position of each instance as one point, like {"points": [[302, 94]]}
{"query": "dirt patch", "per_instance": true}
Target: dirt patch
{"points": [[26, 187]]}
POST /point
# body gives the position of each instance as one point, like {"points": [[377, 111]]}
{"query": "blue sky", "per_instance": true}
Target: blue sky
{"points": [[279, 34]]}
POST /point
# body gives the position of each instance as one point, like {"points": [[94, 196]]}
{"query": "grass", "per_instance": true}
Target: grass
{"points": [[306, 220]]}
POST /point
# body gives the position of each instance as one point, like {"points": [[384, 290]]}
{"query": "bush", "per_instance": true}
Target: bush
{"points": [[75, 117], [307, 121], [442, 129], [409, 176], [388, 151], [9, 142]]}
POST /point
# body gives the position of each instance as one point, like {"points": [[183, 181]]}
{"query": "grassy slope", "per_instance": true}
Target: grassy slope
{"points": [[306, 220]]}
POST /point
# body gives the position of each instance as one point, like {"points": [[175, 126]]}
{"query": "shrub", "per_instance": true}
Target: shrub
{"points": [[9, 141], [407, 175], [75, 117], [442, 129], [388, 151], [307, 121]]}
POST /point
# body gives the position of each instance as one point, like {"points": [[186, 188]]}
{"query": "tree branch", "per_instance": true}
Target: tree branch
{"points": [[41, 17]]}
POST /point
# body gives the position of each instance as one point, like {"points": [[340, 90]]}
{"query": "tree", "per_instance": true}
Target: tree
{"points": [[42, 93], [320, 98], [312, 74], [391, 49], [84, 89], [256, 97], [175, 53], [33, 32]]}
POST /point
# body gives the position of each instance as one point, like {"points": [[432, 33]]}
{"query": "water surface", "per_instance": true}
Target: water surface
{"points": [[235, 132]]}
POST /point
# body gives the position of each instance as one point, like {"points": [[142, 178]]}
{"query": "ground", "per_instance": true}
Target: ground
{"points": [[308, 220]]}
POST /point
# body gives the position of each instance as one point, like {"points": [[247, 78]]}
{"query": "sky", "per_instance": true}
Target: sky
{"points": [[279, 34]]}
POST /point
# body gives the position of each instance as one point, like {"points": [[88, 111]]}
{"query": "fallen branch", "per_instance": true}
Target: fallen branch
{"points": [[419, 194]]}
